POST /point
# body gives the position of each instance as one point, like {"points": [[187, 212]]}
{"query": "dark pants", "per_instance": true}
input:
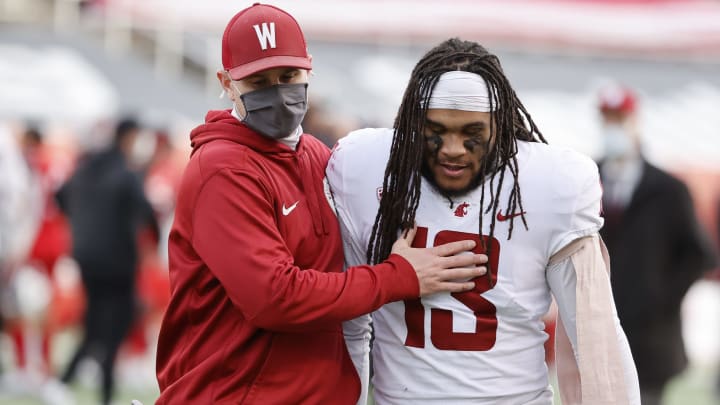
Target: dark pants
{"points": [[108, 318], [651, 396]]}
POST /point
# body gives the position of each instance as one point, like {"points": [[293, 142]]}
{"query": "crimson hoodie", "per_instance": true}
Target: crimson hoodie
{"points": [[258, 291]]}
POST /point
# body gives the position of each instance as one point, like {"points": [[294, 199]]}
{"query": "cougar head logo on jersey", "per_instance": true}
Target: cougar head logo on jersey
{"points": [[461, 210]]}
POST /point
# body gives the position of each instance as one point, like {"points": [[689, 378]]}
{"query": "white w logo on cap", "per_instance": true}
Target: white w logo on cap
{"points": [[265, 36]]}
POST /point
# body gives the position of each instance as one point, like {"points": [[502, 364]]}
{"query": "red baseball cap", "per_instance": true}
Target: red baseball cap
{"points": [[618, 99], [262, 37]]}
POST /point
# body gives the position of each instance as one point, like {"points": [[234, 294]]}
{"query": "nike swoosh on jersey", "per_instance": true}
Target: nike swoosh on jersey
{"points": [[501, 217], [288, 210]]}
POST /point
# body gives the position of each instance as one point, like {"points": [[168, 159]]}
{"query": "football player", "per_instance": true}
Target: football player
{"points": [[465, 160]]}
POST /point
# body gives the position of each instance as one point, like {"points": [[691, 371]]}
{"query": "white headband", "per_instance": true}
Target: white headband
{"points": [[460, 90]]}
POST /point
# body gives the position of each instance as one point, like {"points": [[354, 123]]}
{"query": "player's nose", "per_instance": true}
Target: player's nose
{"points": [[452, 147]]}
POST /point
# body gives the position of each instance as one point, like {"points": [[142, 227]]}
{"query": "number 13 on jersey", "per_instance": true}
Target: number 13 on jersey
{"points": [[441, 320]]}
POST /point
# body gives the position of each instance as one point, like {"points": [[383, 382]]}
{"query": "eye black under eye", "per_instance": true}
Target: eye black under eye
{"points": [[471, 143], [434, 141]]}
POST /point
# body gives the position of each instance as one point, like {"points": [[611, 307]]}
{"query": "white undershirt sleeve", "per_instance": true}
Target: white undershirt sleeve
{"points": [[562, 280]]}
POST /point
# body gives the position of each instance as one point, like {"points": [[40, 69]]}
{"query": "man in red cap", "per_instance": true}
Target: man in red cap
{"points": [[258, 292], [657, 248]]}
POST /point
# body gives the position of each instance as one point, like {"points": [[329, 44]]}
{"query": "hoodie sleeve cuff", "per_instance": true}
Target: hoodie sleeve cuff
{"points": [[400, 278]]}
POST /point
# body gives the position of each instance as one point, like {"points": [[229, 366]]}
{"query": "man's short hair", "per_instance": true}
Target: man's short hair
{"points": [[125, 127]]}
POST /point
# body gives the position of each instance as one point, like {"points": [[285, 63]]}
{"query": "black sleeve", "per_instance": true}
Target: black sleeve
{"points": [[144, 211], [693, 250], [61, 197]]}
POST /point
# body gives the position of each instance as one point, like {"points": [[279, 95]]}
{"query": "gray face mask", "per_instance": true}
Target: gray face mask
{"points": [[616, 142], [275, 111]]}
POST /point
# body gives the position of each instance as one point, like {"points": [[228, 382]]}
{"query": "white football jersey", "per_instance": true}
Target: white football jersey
{"points": [[484, 346]]}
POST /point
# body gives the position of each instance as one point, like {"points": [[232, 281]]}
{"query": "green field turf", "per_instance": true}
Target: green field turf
{"points": [[693, 387]]}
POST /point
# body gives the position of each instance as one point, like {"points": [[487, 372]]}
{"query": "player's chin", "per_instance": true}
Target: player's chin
{"points": [[453, 186]]}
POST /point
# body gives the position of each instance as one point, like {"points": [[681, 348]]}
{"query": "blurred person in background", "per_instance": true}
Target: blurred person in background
{"points": [[716, 277], [256, 263], [20, 215], [465, 160], [657, 247], [106, 205], [32, 335], [327, 126], [161, 177], [53, 237]]}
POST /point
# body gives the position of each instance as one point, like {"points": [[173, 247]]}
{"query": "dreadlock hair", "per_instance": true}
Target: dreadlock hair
{"points": [[510, 122]]}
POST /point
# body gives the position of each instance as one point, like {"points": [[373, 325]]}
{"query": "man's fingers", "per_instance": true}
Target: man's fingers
{"points": [[465, 273], [409, 235], [450, 279], [457, 287], [405, 240], [452, 248], [463, 260]]}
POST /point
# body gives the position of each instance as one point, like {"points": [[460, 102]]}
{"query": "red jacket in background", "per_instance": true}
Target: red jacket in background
{"points": [[258, 292]]}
